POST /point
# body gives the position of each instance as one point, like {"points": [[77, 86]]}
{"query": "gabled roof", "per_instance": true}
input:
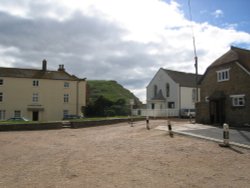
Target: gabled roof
{"points": [[234, 54], [35, 74], [242, 56], [183, 78]]}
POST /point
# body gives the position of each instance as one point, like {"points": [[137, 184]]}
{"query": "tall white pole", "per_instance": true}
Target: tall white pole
{"points": [[195, 53]]}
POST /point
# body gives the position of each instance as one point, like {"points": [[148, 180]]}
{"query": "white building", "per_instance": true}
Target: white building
{"points": [[169, 92]]}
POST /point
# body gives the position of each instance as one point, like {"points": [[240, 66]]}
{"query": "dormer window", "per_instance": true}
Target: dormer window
{"points": [[223, 75]]}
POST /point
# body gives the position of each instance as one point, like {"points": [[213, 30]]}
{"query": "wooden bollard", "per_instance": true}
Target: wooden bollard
{"points": [[147, 123], [170, 129], [131, 122]]}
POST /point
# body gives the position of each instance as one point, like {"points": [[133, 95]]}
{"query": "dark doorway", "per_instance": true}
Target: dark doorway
{"points": [[35, 115], [152, 106], [217, 111]]}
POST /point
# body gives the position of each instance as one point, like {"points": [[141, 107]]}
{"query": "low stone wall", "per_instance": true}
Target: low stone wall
{"points": [[83, 124], [30, 126], [60, 125], [202, 113]]}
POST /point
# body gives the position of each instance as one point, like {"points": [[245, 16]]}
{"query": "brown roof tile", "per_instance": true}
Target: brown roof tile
{"points": [[234, 54], [183, 78], [36, 74]]}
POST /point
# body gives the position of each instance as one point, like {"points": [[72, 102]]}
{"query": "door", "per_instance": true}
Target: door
{"points": [[35, 115], [217, 111]]}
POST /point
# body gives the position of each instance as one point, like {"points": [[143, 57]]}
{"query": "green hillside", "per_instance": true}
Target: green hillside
{"points": [[110, 90]]}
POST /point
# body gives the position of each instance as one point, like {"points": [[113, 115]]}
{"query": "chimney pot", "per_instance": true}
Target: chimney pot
{"points": [[61, 68]]}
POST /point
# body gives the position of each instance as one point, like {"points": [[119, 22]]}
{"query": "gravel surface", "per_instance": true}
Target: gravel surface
{"points": [[118, 156]]}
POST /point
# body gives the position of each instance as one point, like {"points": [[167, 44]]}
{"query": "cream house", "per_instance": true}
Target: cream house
{"points": [[40, 95]]}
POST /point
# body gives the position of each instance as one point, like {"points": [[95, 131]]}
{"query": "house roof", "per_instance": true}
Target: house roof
{"points": [[183, 78], [234, 54], [36, 74]]}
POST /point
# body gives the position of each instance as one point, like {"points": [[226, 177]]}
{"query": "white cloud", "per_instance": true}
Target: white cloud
{"points": [[218, 13], [127, 41]]}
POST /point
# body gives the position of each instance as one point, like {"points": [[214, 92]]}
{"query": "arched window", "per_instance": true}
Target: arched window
{"points": [[167, 90], [155, 90]]}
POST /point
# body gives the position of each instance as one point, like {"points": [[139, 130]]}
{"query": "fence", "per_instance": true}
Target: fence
{"points": [[156, 112]]}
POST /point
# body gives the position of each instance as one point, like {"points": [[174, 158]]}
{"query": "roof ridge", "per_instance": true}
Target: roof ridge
{"points": [[36, 73], [237, 48], [180, 72], [28, 69]]}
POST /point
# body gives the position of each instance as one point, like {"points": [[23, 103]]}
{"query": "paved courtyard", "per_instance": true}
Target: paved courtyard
{"points": [[118, 156], [238, 137]]}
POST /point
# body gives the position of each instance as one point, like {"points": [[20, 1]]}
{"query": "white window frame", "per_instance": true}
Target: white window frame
{"points": [[66, 98], [36, 83], [223, 75], [66, 84], [238, 100], [35, 97], [17, 113], [65, 113], [2, 114]]}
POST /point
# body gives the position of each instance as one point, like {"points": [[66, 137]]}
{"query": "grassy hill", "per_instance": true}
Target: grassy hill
{"points": [[111, 90]]}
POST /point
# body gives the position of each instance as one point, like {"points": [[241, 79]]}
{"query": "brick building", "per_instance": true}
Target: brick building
{"points": [[225, 90]]}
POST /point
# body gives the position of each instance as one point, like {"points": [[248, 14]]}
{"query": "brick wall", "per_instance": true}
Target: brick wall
{"points": [[239, 83]]}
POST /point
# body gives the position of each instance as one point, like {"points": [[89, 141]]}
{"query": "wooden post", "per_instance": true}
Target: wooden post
{"points": [[170, 129], [226, 134], [147, 123]]}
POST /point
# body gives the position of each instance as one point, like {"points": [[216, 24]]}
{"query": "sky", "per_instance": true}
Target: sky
{"points": [[123, 40]]}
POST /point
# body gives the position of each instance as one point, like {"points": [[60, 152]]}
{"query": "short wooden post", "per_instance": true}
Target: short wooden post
{"points": [[131, 121], [170, 129], [226, 134], [147, 123]]}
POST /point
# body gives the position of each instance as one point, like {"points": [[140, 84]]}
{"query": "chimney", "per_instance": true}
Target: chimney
{"points": [[61, 68], [44, 65]]}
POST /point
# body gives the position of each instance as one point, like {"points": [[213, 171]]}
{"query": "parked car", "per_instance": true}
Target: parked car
{"points": [[17, 119], [71, 116], [188, 113]]}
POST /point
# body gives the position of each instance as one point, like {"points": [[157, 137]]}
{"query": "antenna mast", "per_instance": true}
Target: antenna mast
{"points": [[195, 53]]}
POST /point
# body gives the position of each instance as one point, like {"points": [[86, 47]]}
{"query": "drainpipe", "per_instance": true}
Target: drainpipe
{"points": [[179, 100]]}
